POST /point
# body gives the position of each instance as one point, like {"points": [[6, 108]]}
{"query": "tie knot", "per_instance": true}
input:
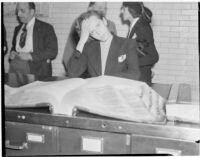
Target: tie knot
{"points": [[24, 28]]}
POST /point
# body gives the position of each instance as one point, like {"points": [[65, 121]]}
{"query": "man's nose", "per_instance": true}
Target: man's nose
{"points": [[19, 13]]}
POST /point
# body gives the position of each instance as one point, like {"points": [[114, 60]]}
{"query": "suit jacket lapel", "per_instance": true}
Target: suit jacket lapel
{"points": [[114, 47], [96, 56], [132, 32], [36, 29], [134, 29]]}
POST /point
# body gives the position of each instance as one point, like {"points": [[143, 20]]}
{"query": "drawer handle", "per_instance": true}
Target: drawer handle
{"points": [[92, 144], [168, 151], [23, 146]]}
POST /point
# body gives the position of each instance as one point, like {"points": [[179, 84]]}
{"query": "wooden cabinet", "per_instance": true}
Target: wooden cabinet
{"points": [[30, 133], [157, 145], [30, 139], [76, 141]]}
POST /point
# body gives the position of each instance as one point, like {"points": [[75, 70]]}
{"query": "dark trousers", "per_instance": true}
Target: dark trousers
{"points": [[19, 66]]}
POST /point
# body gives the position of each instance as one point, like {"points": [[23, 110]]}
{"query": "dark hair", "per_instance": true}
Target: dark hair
{"points": [[31, 5], [91, 4], [137, 9], [84, 16], [146, 13], [134, 8]]}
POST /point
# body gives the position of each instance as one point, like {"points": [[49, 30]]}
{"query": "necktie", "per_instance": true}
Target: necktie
{"points": [[23, 37]]}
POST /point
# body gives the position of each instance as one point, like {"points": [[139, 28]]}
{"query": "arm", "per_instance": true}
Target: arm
{"points": [[5, 45], [71, 44], [13, 52], [77, 64], [14, 38], [112, 27], [132, 71], [78, 61], [50, 46], [145, 34]]}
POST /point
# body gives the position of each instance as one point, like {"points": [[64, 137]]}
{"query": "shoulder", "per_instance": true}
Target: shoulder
{"points": [[43, 24], [125, 41], [91, 43], [110, 22], [18, 26], [142, 24]]}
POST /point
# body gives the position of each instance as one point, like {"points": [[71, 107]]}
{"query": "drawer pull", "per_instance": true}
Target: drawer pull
{"points": [[168, 151], [23, 146], [92, 144], [32, 137]]}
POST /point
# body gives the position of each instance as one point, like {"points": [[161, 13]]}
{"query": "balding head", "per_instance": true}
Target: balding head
{"points": [[98, 6], [25, 11]]}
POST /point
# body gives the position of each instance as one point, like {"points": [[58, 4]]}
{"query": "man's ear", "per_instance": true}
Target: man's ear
{"points": [[32, 12], [105, 21]]}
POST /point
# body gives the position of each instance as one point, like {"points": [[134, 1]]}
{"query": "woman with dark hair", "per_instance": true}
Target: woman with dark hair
{"points": [[140, 18], [107, 54]]}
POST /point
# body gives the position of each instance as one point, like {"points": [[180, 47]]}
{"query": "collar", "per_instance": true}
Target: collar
{"points": [[134, 22], [31, 22]]}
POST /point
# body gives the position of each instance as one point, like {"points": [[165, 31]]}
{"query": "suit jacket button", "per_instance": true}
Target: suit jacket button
{"points": [[48, 60]]}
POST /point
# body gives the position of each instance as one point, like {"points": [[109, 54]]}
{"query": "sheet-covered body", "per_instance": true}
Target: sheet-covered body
{"points": [[105, 95]]}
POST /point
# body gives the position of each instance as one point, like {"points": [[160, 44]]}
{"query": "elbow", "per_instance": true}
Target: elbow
{"points": [[156, 58], [55, 51], [70, 73], [137, 76], [55, 54]]}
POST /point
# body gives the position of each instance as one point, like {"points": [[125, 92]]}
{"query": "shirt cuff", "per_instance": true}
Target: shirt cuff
{"points": [[77, 53]]}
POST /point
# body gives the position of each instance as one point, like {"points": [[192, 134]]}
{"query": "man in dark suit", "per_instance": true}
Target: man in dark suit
{"points": [[73, 37], [140, 30], [106, 55], [34, 43]]}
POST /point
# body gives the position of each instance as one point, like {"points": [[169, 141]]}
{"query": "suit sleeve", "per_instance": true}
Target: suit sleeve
{"points": [[145, 34], [77, 64], [14, 39], [132, 68], [70, 46], [50, 45]]}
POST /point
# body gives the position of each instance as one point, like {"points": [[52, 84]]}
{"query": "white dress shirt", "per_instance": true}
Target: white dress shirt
{"points": [[28, 47], [105, 46], [132, 25]]}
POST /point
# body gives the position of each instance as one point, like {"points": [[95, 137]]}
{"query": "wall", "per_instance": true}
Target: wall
{"points": [[175, 27]]}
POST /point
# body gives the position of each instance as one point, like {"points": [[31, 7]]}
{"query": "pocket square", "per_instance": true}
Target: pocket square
{"points": [[134, 36], [121, 58]]}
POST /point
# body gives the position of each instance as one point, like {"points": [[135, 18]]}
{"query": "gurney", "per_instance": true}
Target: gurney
{"points": [[35, 131]]}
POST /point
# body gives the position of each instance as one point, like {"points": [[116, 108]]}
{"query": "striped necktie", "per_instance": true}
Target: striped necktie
{"points": [[23, 37]]}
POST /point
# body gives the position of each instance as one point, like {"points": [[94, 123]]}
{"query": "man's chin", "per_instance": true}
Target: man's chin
{"points": [[22, 20]]}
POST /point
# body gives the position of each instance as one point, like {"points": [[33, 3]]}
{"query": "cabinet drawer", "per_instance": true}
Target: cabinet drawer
{"points": [[29, 139], [75, 141], [156, 145]]}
